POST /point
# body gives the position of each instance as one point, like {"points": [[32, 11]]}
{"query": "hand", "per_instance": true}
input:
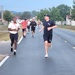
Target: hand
{"points": [[40, 30], [49, 28]]}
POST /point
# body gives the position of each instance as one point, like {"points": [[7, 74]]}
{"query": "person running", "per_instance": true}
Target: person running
{"points": [[13, 28], [33, 26], [28, 26], [48, 27], [24, 26]]}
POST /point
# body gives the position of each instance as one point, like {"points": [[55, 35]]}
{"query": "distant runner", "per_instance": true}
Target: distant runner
{"points": [[24, 26], [48, 27], [28, 26], [13, 29], [33, 25]]}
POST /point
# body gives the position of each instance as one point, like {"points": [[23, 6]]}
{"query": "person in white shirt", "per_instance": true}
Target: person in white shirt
{"points": [[13, 28], [28, 26]]}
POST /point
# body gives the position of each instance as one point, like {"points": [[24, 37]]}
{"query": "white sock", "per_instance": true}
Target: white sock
{"points": [[14, 50]]}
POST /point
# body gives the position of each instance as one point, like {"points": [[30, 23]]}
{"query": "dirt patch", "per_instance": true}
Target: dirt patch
{"points": [[67, 27], [2, 57]]}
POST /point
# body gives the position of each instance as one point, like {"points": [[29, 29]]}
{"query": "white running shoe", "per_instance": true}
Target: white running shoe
{"points": [[46, 56]]}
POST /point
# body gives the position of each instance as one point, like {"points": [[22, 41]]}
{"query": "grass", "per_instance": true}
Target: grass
{"points": [[4, 36], [67, 27], [4, 27]]}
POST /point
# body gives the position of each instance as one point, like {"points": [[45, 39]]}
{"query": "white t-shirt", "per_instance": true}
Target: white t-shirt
{"points": [[13, 26], [28, 23]]}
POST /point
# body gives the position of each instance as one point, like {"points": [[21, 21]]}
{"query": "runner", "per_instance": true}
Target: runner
{"points": [[24, 26], [13, 29], [33, 25], [28, 26], [48, 27]]}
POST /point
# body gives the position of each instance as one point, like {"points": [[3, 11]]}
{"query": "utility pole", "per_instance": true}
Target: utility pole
{"points": [[1, 10]]}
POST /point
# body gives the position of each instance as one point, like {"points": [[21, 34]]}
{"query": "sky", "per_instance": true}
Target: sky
{"points": [[29, 5]]}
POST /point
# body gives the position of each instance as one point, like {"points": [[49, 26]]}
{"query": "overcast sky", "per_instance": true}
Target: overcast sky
{"points": [[29, 5]]}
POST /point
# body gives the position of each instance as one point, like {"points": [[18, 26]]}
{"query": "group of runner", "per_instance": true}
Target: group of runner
{"points": [[26, 24], [48, 27]]}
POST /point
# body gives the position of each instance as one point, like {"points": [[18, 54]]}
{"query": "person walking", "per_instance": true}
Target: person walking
{"points": [[48, 26], [13, 28]]}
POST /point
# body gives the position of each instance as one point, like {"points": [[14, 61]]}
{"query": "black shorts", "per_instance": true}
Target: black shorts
{"points": [[47, 38], [33, 29], [14, 37], [28, 27], [23, 30]]}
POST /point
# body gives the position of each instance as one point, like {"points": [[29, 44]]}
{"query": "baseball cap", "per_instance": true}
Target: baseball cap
{"points": [[47, 15]]}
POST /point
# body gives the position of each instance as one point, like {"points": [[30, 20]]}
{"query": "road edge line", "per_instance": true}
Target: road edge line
{"points": [[2, 62], [20, 40]]}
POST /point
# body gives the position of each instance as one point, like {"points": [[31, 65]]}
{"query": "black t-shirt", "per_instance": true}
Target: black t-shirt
{"points": [[33, 24], [47, 24]]}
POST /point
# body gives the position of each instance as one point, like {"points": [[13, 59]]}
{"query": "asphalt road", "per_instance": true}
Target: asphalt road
{"points": [[30, 56]]}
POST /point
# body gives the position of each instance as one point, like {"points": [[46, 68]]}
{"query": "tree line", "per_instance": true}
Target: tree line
{"points": [[57, 13]]}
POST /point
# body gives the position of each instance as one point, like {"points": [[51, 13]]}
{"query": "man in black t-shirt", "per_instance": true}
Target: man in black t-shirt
{"points": [[33, 25], [48, 27]]}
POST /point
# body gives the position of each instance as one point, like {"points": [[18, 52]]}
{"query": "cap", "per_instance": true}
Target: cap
{"points": [[47, 15]]}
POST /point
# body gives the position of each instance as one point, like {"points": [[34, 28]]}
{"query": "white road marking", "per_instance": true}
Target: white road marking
{"points": [[20, 40], [65, 41], [73, 47], [2, 62]]}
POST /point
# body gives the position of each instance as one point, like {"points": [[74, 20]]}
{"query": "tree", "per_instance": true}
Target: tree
{"points": [[8, 15], [73, 11], [41, 14], [64, 10], [26, 15], [34, 13], [55, 14]]}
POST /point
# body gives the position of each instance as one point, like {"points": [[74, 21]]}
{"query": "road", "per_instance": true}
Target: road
{"points": [[30, 56]]}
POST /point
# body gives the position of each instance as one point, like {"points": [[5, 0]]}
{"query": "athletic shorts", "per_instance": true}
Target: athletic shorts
{"points": [[23, 29], [47, 38], [28, 27], [33, 29], [14, 37]]}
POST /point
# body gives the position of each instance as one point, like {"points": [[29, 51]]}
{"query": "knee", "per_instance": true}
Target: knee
{"points": [[15, 42], [46, 43]]}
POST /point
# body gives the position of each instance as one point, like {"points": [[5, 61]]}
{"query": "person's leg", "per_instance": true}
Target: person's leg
{"points": [[29, 29], [15, 43], [46, 47], [32, 33], [23, 32], [12, 41], [49, 40]]}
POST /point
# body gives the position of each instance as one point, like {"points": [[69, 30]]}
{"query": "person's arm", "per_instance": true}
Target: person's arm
{"points": [[41, 29], [53, 26], [49, 28], [12, 29]]}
